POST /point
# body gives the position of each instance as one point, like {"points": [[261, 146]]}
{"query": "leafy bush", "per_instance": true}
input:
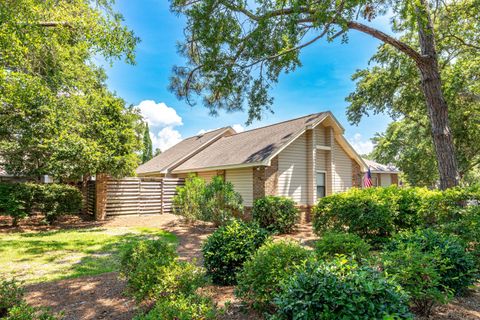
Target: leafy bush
{"points": [[53, 200], [277, 214], [11, 294], [226, 250], [181, 307], [340, 289], [216, 202], [334, 243], [455, 266], [26, 312], [222, 202], [152, 269], [189, 200], [261, 276]]}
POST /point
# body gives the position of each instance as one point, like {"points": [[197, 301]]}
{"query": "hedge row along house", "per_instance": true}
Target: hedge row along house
{"points": [[304, 159]]}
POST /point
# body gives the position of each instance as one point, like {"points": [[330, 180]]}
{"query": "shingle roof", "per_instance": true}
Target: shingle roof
{"points": [[378, 167], [182, 149], [249, 147]]}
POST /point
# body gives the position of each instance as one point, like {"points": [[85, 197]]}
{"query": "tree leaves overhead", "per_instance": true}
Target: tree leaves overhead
{"points": [[56, 114]]}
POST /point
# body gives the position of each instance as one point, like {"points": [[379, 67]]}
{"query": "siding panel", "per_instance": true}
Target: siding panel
{"points": [[386, 180], [342, 173], [292, 171], [207, 175], [242, 180]]}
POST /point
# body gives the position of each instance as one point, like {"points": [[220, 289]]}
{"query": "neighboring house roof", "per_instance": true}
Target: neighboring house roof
{"points": [[376, 167], [181, 151]]}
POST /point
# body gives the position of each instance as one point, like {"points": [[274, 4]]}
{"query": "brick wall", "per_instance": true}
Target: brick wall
{"points": [[265, 180], [356, 175]]}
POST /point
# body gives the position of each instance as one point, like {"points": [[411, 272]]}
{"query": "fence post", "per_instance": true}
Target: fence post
{"points": [[101, 196]]}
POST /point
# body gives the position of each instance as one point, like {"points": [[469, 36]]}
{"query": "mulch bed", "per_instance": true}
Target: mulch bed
{"points": [[102, 296]]}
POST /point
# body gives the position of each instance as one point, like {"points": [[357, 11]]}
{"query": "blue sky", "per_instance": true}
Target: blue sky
{"points": [[322, 83]]}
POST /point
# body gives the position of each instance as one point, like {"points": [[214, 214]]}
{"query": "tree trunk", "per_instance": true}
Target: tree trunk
{"points": [[436, 105]]}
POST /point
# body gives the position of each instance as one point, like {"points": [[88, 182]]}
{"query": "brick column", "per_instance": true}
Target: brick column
{"points": [[356, 175], [265, 180], [394, 178], [221, 173], [101, 196]]}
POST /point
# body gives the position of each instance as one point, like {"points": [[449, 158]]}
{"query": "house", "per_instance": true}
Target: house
{"points": [[304, 159], [382, 175]]}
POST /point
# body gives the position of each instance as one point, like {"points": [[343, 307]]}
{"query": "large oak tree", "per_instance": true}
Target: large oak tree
{"points": [[236, 50]]}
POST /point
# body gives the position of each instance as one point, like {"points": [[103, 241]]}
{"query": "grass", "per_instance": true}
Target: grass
{"points": [[52, 255]]}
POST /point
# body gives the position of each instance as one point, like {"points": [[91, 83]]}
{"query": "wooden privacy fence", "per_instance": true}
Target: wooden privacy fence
{"points": [[132, 195]]}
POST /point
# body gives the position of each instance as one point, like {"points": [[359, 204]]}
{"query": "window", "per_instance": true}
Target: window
{"points": [[320, 184]]}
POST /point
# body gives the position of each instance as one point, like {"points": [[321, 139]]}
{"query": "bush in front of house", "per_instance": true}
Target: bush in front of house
{"points": [[276, 214], [181, 307], [260, 279], [222, 202], [226, 250], [215, 202], [152, 270], [52, 200], [455, 265], [340, 289], [340, 243]]}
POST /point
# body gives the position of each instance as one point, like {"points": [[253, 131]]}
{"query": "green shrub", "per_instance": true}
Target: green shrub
{"points": [[188, 202], [261, 276], [277, 214], [222, 202], [226, 250], [11, 294], [15, 201], [334, 243], [181, 307], [26, 312], [152, 269], [55, 200], [215, 202], [340, 289], [455, 266]]}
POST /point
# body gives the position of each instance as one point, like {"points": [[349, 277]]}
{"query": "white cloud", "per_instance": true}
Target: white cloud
{"points": [[361, 146], [238, 127], [166, 138], [159, 114]]}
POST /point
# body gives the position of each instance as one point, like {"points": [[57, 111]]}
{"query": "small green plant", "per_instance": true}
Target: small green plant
{"points": [[152, 270], [277, 214], [260, 279], [11, 294], [25, 312], [226, 250], [335, 243], [340, 289], [181, 307], [222, 202], [189, 200]]}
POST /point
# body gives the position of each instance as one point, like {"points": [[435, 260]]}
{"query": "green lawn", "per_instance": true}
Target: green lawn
{"points": [[44, 256]]}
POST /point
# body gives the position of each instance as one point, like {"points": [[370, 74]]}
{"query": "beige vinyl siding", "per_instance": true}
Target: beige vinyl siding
{"points": [[342, 172], [207, 175], [321, 137], [242, 180], [321, 160], [386, 180], [292, 171]]}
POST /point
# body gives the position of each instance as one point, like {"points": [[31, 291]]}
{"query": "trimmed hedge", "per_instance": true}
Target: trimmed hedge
{"points": [[225, 250], [52, 200], [276, 214], [335, 243], [376, 213]]}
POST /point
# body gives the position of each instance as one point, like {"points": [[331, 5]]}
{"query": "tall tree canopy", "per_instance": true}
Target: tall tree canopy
{"points": [[56, 114], [387, 87], [147, 153], [236, 50]]}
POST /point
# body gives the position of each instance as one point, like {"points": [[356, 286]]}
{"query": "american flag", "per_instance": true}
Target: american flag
{"points": [[367, 180]]}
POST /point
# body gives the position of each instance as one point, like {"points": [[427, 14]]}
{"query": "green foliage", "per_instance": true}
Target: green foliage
{"points": [[216, 201], [260, 279], [147, 153], [456, 266], [340, 289], [11, 295], [57, 115], [25, 312], [277, 214], [181, 307], [52, 200], [226, 250], [335, 243], [222, 202]]}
